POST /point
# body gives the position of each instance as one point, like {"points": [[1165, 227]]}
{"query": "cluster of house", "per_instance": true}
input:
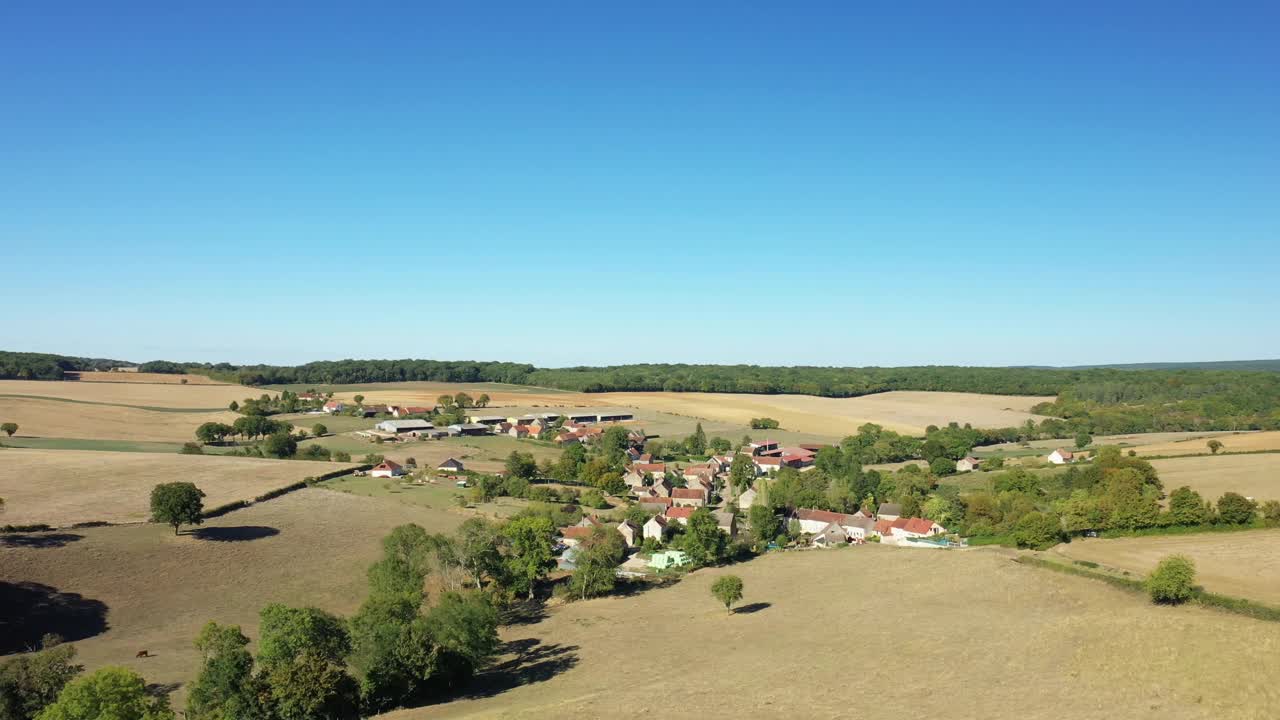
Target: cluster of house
{"points": [[658, 528], [393, 469], [828, 529], [576, 428], [1057, 457]]}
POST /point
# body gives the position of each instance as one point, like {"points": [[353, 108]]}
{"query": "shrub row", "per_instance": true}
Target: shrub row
{"points": [[37, 527]]}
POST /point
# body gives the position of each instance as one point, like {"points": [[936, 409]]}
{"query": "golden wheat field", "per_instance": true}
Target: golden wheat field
{"points": [[143, 378], [138, 587], [1256, 476], [904, 411], [1243, 564], [40, 417], [195, 396], [61, 487], [964, 634], [1231, 443]]}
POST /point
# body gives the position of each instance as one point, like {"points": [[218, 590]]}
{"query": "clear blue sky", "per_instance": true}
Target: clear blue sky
{"points": [[570, 183]]}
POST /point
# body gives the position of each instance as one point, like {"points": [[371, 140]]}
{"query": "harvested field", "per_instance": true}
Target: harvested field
{"points": [[62, 487], [906, 412], [194, 396], [1243, 564], [92, 421], [989, 638], [143, 378], [1231, 443], [484, 453], [1256, 476], [311, 547]]}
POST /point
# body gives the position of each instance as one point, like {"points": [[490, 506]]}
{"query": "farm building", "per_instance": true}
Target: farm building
{"points": [[387, 469], [630, 533], [580, 418], [613, 417], [679, 514], [451, 465], [688, 497], [762, 448], [831, 535], [767, 465], [575, 534], [333, 406], [889, 511], [1061, 457], [654, 504], [727, 523], [968, 464], [747, 499], [401, 426], [486, 419], [469, 429]]}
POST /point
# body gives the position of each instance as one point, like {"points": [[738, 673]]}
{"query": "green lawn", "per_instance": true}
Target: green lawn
{"points": [[439, 496], [335, 423]]}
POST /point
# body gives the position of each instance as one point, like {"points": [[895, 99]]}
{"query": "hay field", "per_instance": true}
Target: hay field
{"points": [[484, 453], [957, 634], [1256, 476], [904, 411], [188, 397], [144, 378], [59, 418], [311, 547], [1231, 443], [1243, 564], [61, 487]]}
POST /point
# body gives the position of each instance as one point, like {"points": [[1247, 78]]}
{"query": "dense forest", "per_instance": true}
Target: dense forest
{"points": [[42, 366], [1098, 400]]}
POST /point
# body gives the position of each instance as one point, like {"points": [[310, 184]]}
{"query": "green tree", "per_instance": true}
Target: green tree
{"points": [[234, 406], [482, 401], [478, 550], [728, 590], [521, 465], [341, 456], [530, 551], [213, 432], [177, 503], [1173, 580], [1215, 446], [1038, 530], [9, 428], [719, 445], [703, 541], [462, 400], [225, 689], [319, 430], [593, 499], [111, 693], [597, 564], [466, 625], [280, 445], [942, 465], [312, 687], [742, 473], [29, 683], [697, 442], [1083, 439], [359, 399], [1236, 509], [765, 525], [287, 632], [1186, 507], [1270, 511]]}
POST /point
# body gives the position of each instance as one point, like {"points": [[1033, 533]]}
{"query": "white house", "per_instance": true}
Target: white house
{"points": [[767, 465], [655, 528], [1061, 457], [450, 465], [387, 469], [967, 464], [333, 406], [747, 499], [831, 535], [631, 534]]}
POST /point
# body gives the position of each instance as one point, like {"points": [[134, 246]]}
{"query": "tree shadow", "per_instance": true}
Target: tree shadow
{"points": [[631, 587], [29, 611], [161, 690], [752, 608], [235, 533], [534, 662], [529, 612], [38, 540]]}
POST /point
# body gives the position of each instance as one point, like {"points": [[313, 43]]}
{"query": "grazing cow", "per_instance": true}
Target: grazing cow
{"points": [[143, 653]]}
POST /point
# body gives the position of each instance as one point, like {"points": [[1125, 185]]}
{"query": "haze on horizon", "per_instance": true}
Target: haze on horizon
{"points": [[811, 185]]}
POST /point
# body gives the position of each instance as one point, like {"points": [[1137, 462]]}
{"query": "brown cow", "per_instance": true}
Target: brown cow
{"points": [[143, 653]]}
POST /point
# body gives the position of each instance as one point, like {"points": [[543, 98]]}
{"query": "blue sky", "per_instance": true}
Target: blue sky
{"points": [[570, 183]]}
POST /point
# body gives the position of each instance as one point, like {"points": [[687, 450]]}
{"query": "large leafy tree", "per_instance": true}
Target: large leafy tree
{"points": [[477, 547], [530, 551], [703, 541], [597, 563], [302, 653], [226, 688], [742, 473], [728, 590], [176, 504], [111, 693], [29, 683]]}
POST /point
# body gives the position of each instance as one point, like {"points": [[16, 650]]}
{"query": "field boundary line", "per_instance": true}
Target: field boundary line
{"points": [[1202, 597]]}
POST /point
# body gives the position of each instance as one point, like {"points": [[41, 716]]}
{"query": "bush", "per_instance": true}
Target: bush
{"points": [[1037, 530], [764, 423], [1172, 582], [191, 448], [1271, 511], [1236, 509]]}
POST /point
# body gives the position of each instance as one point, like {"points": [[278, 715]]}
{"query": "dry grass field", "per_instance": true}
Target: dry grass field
{"points": [[1256, 476], [61, 487], [906, 412], [311, 547], [959, 635], [1231, 443], [60, 418], [1243, 564], [195, 396], [144, 378]]}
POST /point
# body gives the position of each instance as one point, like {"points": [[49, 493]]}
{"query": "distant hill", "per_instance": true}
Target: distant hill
{"points": [[1264, 365]]}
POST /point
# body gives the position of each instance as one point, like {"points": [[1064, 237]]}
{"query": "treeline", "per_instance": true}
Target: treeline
{"points": [[42, 366], [347, 372]]}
